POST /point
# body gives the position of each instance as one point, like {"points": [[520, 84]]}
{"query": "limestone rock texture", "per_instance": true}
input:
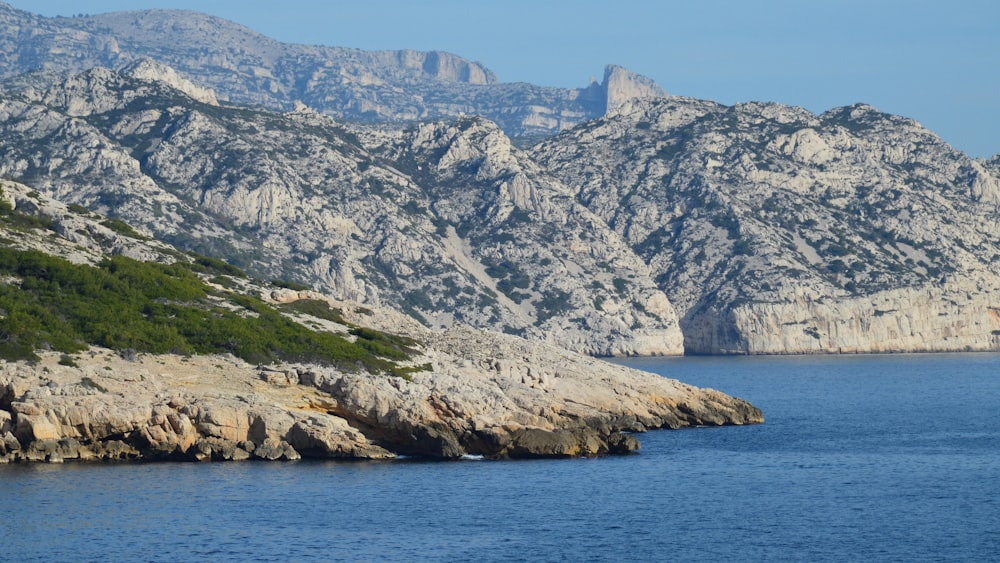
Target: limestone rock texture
{"points": [[773, 230], [469, 392], [621, 86], [487, 394], [447, 221], [247, 68]]}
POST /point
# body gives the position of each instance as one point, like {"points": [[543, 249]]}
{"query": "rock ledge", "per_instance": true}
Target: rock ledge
{"points": [[486, 394]]}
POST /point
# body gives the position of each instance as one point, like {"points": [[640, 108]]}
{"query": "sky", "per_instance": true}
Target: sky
{"points": [[934, 61]]}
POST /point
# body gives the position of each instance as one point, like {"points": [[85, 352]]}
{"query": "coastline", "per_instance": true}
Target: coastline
{"points": [[486, 394]]}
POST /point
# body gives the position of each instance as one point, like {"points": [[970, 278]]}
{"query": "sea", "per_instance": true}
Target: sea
{"points": [[861, 458]]}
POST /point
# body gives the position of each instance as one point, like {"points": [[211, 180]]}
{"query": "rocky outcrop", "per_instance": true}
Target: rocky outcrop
{"points": [[501, 396], [622, 86], [148, 69], [244, 67], [774, 230], [482, 394], [77, 235], [445, 394], [112, 409]]}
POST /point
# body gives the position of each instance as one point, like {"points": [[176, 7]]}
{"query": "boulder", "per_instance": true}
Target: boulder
{"points": [[331, 437]]}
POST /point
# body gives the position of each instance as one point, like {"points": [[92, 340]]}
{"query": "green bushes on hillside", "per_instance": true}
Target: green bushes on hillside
{"points": [[50, 303]]}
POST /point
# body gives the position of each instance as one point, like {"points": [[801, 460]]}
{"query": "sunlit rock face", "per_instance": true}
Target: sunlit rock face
{"points": [[774, 230], [666, 224], [446, 220], [451, 393]]}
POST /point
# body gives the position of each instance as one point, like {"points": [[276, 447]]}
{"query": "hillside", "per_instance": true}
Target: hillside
{"points": [[447, 221], [774, 230], [118, 347]]}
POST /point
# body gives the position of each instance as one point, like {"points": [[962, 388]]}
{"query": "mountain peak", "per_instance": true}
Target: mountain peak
{"points": [[148, 69], [621, 85]]}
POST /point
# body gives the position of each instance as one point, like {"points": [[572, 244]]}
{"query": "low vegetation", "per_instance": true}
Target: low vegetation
{"points": [[123, 304]]}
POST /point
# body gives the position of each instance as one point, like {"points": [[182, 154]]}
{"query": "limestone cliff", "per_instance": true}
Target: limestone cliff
{"points": [[621, 86], [774, 230], [445, 220], [755, 228]]}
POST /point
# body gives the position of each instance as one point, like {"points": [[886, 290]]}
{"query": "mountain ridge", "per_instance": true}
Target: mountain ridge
{"points": [[667, 224], [754, 214], [252, 69]]}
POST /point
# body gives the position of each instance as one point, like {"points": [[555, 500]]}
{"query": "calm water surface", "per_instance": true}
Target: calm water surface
{"points": [[892, 458]]}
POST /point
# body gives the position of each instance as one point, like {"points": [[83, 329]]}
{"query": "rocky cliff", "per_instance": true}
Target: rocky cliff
{"points": [[774, 230], [247, 68], [447, 221], [465, 392], [488, 395]]}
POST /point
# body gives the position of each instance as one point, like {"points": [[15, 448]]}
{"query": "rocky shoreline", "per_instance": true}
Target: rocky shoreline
{"points": [[484, 394]]}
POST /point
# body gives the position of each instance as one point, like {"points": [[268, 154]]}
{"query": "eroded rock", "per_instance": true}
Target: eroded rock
{"points": [[487, 394]]}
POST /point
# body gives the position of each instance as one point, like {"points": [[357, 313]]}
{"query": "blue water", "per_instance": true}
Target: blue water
{"points": [[890, 458]]}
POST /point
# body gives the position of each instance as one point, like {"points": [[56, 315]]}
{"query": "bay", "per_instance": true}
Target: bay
{"points": [[889, 458]]}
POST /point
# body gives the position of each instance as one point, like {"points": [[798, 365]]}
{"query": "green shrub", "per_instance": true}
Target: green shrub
{"points": [[384, 345], [209, 265], [316, 308], [224, 281], [552, 303], [123, 228], [67, 360], [124, 304], [294, 286], [90, 383], [743, 248], [621, 285]]}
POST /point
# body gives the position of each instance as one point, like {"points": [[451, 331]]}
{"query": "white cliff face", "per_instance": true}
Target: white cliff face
{"points": [[773, 230], [148, 69], [446, 220], [621, 86], [961, 316]]}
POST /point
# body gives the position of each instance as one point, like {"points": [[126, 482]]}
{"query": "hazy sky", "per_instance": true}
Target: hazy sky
{"points": [[933, 60]]}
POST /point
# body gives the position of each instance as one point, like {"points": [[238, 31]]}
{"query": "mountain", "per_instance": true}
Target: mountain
{"points": [[447, 221], [774, 230], [249, 69], [118, 347], [651, 224]]}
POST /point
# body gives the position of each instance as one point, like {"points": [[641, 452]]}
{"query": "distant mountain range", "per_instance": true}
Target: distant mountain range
{"points": [[634, 223], [247, 68]]}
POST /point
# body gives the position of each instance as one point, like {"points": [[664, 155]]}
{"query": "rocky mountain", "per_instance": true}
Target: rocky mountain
{"points": [[447, 221], [73, 387], [774, 230], [665, 225], [246, 68]]}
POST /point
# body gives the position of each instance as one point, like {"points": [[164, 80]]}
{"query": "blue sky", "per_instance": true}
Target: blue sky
{"points": [[935, 61]]}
